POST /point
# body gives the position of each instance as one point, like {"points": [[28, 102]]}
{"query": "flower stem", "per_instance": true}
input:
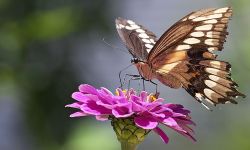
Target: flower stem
{"points": [[128, 146]]}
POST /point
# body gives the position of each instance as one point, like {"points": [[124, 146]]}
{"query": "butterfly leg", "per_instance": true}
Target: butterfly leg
{"points": [[120, 74], [143, 84], [156, 86], [133, 77]]}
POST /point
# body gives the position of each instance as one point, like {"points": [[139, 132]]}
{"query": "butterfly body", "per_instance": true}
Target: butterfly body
{"points": [[145, 70], [184, 55]]}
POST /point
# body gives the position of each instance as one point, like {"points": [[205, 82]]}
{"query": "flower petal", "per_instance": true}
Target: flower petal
{"points": [[120, 92], [172, 124], [74, 105], [94, 109], [145, 110], [87, 89], [161, 133], [122, 110], [78, 114], [137, 107], [79, 96], [145, 122], [105, 90], [143, 96]]}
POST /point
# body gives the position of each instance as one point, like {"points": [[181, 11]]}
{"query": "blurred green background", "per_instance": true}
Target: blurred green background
{"points": [[49, 47]]}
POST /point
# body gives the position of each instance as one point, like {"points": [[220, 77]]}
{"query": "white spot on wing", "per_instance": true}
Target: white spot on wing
{"points": [[140, 30], [216, 63], [185, 19], [168, 67], [119, 26], [214, 16], [204, 27], [214, 78], [148, 50], [210, 34], [129, 28], [200, 19], [211, 21], [152, 41], [130, 22], [135, 26], [183, 47], [211, 42], [212, 71], [191, 17], [210, 83], [191, 41], [211, 49], [208, 93], [143, 35], [197, 34], [146, 40], [221, 10], [149, 46]]}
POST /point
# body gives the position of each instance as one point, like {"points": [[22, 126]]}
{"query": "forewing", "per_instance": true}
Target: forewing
{"points": [[137, 39], [185, 53], [204, 30]]}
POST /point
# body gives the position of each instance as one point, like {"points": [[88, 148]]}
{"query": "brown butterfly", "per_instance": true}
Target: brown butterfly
{"points": [[184, 54]]}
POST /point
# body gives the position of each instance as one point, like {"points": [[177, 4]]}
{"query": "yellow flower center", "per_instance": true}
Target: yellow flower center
{"points": [[123, 91], [153, 97]]}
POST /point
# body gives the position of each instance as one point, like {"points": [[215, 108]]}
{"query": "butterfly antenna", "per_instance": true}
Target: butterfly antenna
{"points": [[114, 47]]}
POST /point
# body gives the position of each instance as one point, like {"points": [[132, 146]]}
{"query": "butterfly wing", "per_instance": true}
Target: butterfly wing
{"points": [[183, 56], [137, 39]]}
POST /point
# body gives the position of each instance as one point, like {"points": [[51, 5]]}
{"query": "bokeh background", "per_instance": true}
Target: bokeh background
{"points": [[49, 47]]}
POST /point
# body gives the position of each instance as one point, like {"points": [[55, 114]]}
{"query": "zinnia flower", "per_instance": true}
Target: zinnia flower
{"points": [[132, 115]]}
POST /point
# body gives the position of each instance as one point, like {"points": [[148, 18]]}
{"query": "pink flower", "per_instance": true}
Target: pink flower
{"points": [[147, 111]]}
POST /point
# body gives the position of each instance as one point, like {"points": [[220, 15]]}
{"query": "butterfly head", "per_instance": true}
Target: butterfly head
{"points": [[135, 60]]}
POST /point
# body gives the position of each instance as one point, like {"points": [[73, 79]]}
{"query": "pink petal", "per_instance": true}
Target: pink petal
{"points": [[145, 122], [120, 93], [78, 114], [106, 91], [161, 133], [154, 105], [94, 109], [137, 107], [118, 114], [122, 110], [74, 105], [108, 106], [172, 124], [186, 134], [92, 97], [143, 96], [79, 97], [134, 98], [88, 89]]}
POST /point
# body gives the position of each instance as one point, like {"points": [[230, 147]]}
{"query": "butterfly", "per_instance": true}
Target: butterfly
{"points": [[184, 56]]}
